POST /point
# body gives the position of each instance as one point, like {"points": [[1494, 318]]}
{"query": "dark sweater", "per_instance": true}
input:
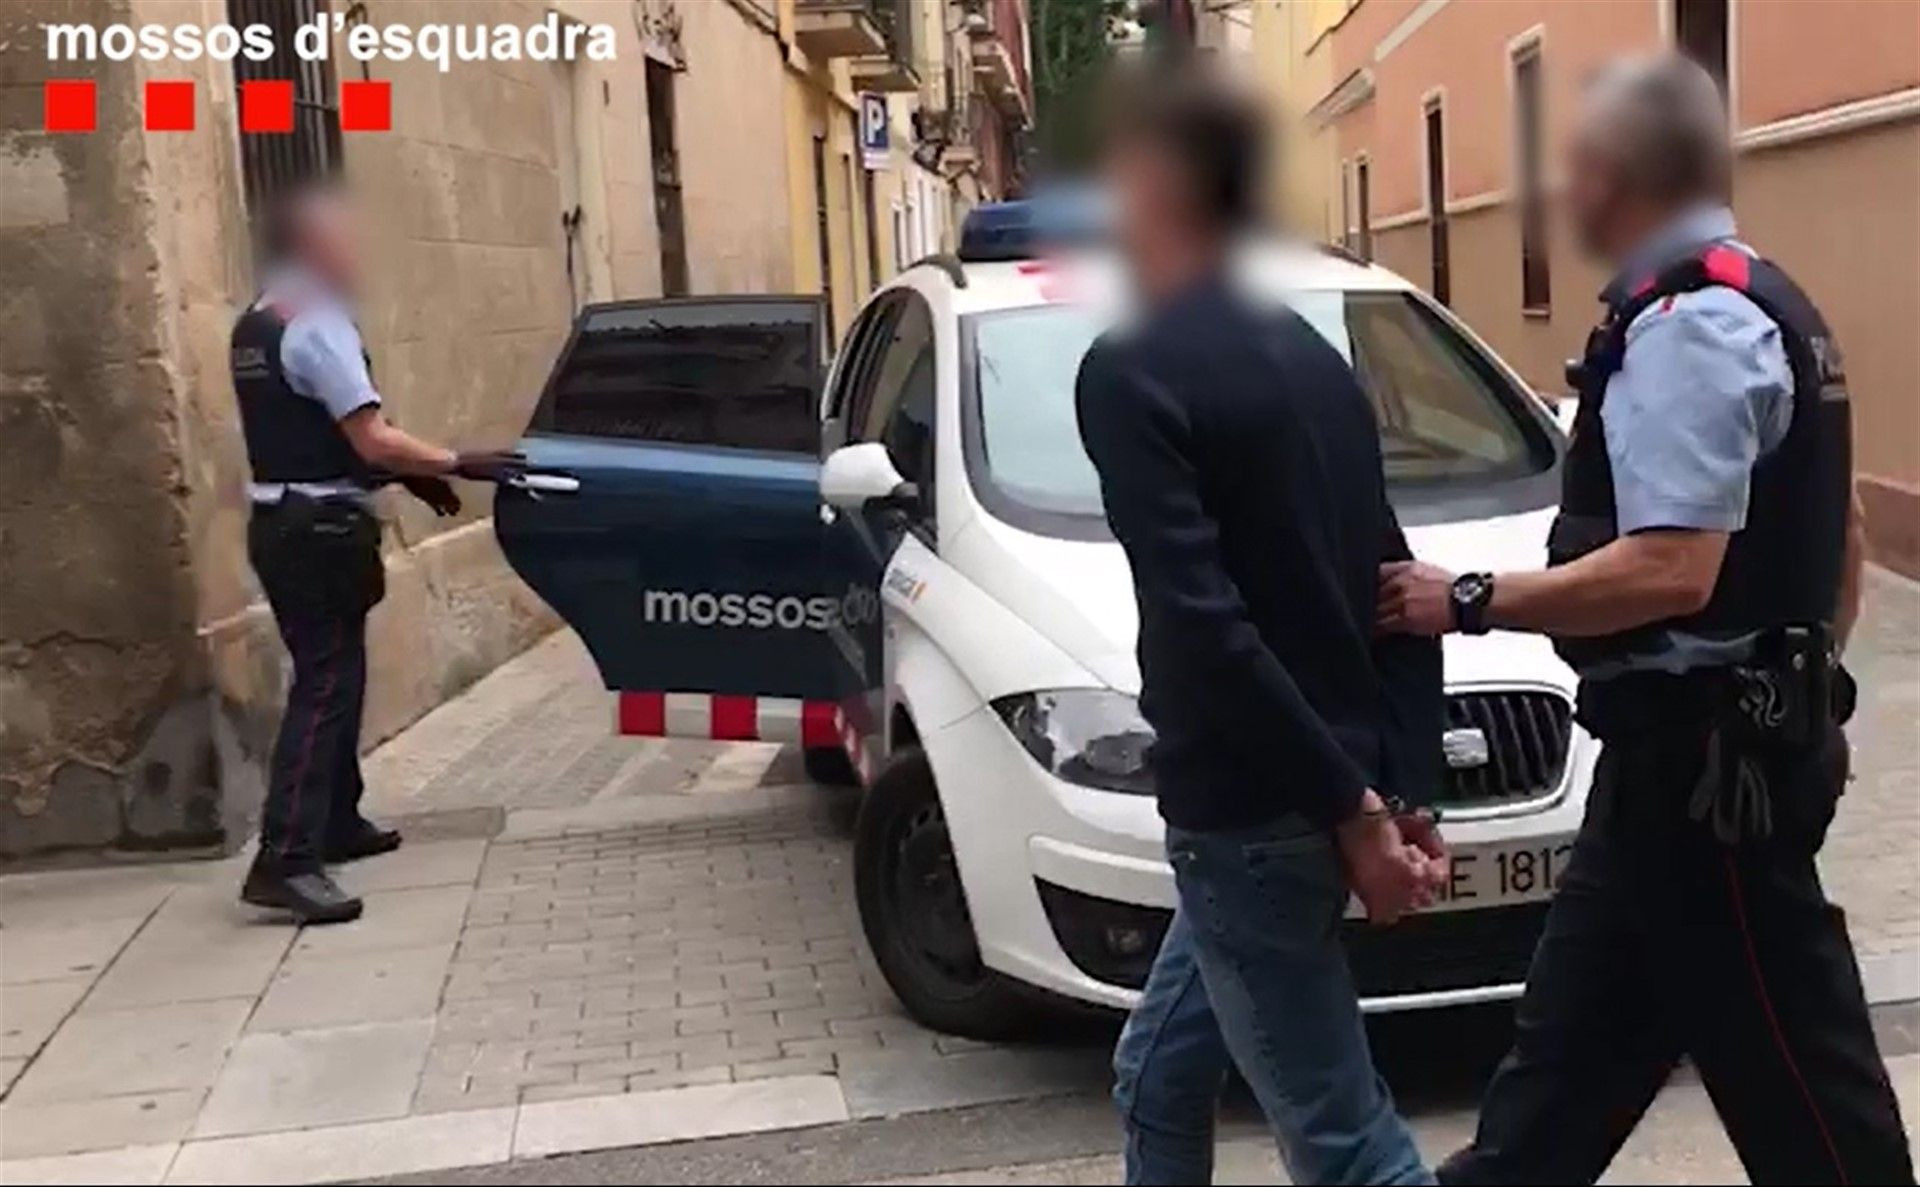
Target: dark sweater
{"points": [[1240, 466]]}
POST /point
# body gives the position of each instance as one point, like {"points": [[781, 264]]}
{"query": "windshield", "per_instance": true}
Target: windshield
{"points": [[1448, 419]]}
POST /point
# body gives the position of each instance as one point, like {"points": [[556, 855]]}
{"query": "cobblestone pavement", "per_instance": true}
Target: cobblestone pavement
{"points": [[589, 942]]}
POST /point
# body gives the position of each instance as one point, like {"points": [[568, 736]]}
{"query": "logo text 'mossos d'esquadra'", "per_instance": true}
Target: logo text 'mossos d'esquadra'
{"points": [[755, 611]]}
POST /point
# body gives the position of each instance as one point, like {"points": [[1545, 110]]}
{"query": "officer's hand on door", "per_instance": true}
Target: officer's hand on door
{"points": [[489, 465], [436, 493]]}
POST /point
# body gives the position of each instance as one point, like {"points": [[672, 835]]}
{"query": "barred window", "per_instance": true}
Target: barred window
{"points": [[273, 162]]}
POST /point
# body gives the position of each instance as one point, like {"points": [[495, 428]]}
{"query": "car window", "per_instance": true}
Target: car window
{"points": [[1439, 404], [1027, 361], [900, 412], [862, 367], [739, 373], [847, 369], [1453, 428]]}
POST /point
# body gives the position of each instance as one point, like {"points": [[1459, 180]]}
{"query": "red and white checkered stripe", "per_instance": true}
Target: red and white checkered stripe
{"points": [[728, 718], [813, 724]]}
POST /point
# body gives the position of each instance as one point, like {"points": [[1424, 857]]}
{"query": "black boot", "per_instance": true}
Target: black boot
{"points": [[367, 839], [308, 894]]}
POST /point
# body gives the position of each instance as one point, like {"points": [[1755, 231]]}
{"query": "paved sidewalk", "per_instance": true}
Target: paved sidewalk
{"points": [[588, 942]]}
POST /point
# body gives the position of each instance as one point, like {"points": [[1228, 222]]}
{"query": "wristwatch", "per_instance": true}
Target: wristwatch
{"points": [[1471, 593]]}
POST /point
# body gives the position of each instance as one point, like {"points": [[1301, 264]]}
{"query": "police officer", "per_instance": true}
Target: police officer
{"points": [[318, 445], [1703, 573]]}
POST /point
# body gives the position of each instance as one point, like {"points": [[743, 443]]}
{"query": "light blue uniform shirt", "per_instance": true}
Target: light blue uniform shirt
{"points": [[324, 360], [1703, 390]]}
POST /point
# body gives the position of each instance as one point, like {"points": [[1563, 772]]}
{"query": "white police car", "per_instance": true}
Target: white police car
{"points": [[907, 571]]}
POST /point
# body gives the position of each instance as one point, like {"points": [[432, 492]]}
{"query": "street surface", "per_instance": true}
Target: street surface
{"points": [[603, 959]]}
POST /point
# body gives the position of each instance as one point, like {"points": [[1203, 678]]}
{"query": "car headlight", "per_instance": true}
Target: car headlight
{"points": [[1088, 736]]}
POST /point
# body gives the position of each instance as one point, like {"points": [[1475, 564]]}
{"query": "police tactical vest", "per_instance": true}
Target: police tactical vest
{"points": [[1785, 566], [290, 438]]}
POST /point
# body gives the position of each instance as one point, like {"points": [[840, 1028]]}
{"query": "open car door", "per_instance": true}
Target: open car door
{"points": [[690, 560]]}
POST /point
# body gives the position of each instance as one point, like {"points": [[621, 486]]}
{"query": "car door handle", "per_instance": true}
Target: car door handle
{"points": [[537, 484]]}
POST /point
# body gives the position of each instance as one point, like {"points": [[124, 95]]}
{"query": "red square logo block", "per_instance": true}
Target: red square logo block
{"points": [[266, 105], [366, 106], [69, 105], [169, 106]]}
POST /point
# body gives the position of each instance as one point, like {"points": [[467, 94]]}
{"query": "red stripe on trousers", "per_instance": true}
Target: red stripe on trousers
{"points": [[313, 727], [735, 719], [643, 713], [1773, 1021]]}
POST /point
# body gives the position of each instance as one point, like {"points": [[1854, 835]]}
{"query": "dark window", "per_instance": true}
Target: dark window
{"points": [[738, 372], [867, 205], [1347, 234], [873, 226], [668, 213], [1363, 201], [1536, 293], [1437, 205], [272, 162], [1700, 30], [820, 220]]}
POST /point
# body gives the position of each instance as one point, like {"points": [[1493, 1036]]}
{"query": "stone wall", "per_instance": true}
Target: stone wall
{"points": [[105, 726], [140, 675]]}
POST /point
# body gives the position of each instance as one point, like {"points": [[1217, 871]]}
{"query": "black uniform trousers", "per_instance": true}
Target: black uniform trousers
{"points": [[1663, 942], [319, 564]]}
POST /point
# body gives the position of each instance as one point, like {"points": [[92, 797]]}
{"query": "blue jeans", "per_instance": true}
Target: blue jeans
{"points": [[1252, 975]]}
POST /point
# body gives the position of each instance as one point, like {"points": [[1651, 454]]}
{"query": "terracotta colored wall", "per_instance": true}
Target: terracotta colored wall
{"points": [[1843, 214], [1842, 211], [1795, 56], [1463, 50]]}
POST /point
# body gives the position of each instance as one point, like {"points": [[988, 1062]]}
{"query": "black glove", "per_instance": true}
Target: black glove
{"points": [[489, 465], [436, 493]]}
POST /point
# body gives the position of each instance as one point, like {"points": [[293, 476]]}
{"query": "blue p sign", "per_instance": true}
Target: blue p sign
{"points": [[874, 131]]}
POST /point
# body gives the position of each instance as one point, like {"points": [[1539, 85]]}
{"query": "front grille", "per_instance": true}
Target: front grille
{"points": [[1441, 950], [1526, 733]]}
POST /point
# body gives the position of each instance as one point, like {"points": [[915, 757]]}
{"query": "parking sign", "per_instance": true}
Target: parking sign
{"points": [[874, 130]]}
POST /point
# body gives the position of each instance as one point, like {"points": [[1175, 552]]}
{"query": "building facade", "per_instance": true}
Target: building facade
{"points": [[1427, 139], [715, 152]]}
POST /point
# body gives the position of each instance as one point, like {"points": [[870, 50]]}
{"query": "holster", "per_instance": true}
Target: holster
{"points": [[318, 555], [1770, 718]]}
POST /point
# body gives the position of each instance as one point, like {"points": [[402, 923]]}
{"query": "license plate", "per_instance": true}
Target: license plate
{"points": [[1506, 872], [1500, 874]]}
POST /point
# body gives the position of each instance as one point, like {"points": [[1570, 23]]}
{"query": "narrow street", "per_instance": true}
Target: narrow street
{"points": [[602, 959]]}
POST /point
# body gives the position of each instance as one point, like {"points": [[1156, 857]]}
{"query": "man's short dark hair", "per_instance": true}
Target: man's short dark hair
{"points": [[1213, 131]]}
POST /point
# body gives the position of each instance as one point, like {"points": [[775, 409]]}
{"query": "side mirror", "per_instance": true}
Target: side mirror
{"points": [[856, 476], [1563, 410]]}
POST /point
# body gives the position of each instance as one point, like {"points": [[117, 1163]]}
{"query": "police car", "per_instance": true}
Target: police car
{"points": [[900, 563]]}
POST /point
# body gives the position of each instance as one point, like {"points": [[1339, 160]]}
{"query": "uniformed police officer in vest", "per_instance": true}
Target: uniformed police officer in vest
{"points": [[1703, 574], [318, 445]]}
